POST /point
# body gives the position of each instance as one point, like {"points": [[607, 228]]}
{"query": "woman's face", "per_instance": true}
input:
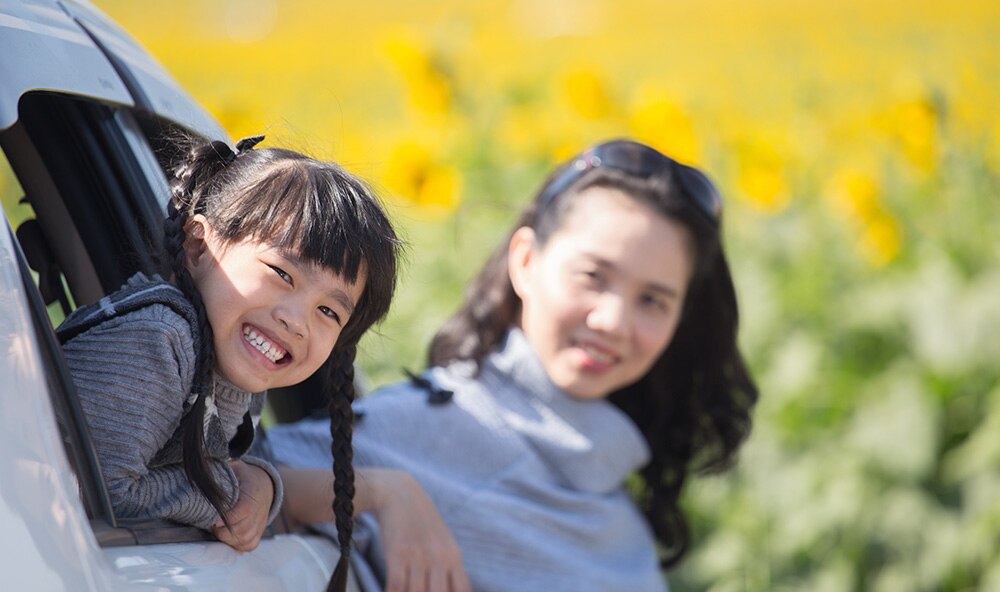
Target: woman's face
{"points": [[602, 298]]}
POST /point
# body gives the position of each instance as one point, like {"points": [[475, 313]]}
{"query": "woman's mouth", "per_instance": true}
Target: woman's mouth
{"points": [[271, 351], [595, 357], [598, 355]]}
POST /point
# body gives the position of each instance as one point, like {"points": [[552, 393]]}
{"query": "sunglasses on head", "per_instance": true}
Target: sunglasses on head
{"points": [[642, 161]]}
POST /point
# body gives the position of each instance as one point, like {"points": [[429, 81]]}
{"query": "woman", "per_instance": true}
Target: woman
{"points": [[599, 341]]}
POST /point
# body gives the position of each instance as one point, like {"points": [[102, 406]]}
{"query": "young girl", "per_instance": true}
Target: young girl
{"points": [[598, 341], [280, 263]]}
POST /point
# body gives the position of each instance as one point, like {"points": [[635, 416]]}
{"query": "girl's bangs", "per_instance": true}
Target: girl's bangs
{"points": [[307, 214]]}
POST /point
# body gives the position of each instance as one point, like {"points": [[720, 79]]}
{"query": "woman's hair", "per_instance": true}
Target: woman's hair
{"points": [[325, 216], [693, 406]]}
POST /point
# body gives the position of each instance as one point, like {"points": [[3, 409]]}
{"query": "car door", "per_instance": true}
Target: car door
{"points": [[86, 191]]}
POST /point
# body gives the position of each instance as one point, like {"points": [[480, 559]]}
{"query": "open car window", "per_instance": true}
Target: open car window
{"points": [[94, 195]]}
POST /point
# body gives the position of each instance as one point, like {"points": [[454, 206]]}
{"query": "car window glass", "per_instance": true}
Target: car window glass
{"points": [[18, 211], [145, 158], [11, 194]]}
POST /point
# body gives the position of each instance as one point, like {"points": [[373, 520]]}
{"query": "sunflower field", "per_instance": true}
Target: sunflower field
{"points": [[857, 145]]}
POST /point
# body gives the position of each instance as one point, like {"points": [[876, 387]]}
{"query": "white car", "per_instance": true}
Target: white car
{"points": [[84, 111]]}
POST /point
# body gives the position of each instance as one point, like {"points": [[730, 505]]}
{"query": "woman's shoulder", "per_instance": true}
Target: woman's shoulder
{"points": [[435, 388], [399, 395], [420, 411]]}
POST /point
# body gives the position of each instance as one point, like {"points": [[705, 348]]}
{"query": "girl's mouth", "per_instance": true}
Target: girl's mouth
{"points": [[271, 351]]}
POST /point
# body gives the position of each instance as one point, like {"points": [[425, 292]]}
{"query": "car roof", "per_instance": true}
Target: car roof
{"points": [[69, 46]]}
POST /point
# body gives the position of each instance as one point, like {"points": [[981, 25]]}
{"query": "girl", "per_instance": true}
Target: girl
{"points": [[598, 341], [279, 264]]}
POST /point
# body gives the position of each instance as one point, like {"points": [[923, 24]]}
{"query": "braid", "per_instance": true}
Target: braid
{"points": [[187, 194], [341, 387], [325, 216]]}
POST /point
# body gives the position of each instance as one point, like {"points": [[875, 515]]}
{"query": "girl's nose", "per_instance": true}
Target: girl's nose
{"points": [[292, 319], [609, 314]]}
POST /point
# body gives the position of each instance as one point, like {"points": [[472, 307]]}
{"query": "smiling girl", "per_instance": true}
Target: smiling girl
{"points": [[278, 263], [598, 342]]}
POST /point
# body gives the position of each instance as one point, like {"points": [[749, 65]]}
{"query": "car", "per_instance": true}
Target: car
{"points": [[85, 120]]}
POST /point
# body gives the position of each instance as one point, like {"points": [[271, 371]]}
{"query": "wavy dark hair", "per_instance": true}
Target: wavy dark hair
{"points": [[694, 405], [326, 216]]}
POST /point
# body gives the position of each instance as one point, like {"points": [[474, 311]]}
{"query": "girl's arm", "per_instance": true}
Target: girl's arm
{"points": [[418, 545], [132, 374]]}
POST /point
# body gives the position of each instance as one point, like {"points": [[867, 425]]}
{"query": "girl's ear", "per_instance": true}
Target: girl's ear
{"points": [[520, 253], [196, 230]]}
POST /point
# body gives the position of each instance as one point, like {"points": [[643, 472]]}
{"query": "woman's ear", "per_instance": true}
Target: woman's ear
{"points": [[520, 253], [196, 231]]}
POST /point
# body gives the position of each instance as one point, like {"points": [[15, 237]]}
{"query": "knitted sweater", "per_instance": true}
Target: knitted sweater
{"points": [[529, 480], [133, 373]]}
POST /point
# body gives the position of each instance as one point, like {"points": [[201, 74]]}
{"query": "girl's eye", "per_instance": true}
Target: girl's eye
{"points": [[281, 273], [330, 313]]}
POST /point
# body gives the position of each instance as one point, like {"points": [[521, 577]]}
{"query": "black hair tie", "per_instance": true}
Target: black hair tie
{"points": [[223, 151], [247, 143], [435, 395], [226, 154]]}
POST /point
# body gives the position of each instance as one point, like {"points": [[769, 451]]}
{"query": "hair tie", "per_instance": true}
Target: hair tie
{"points": [[223, 151], [226, 154], [247, 143]]}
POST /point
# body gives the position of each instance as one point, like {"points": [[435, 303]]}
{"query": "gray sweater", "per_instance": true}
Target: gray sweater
{"points": [[529, 480], [134, 373]]}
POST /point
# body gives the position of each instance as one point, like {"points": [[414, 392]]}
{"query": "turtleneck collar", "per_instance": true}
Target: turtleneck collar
{"points": [[591, 443]]}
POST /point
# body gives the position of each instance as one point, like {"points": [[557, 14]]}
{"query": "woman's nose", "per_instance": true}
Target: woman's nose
{"points": [[609, 314]]}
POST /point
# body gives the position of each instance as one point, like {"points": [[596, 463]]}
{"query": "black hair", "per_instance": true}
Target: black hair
{"points": [[693, 406], [325, 216]]}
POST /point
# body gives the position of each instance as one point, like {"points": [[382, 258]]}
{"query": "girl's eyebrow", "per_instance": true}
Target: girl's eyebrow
{"points": [[336, 294], [344, 300]]}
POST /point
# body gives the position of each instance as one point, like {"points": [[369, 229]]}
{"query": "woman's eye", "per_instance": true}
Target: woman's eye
{"points": [[330, 313], [591, 277], [656, 303], [281, 273]]}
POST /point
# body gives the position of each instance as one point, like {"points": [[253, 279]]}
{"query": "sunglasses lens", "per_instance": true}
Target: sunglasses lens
{"points": [[701, 190], [631, 158], [641, 161]]}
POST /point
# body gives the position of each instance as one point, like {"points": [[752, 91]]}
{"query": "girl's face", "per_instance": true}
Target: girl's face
{"points": [[601, 300], [275, 318]]}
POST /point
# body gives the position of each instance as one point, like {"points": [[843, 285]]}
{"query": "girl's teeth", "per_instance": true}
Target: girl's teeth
{"points": [[265, 347]]}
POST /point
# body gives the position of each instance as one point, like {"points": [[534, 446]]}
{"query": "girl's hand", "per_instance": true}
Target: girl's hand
{"points": [[421, 555], [248, 518]]}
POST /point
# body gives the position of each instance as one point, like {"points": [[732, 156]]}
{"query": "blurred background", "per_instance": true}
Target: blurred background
{"points": [[858, 147]]}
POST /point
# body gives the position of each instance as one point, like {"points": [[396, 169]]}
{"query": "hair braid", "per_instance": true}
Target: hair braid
{"points": [[323, 215], [341, 388], [186, 194]]}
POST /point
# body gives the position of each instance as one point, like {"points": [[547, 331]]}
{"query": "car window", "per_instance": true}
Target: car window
{"points": [[99, 184], [84, 193]]}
